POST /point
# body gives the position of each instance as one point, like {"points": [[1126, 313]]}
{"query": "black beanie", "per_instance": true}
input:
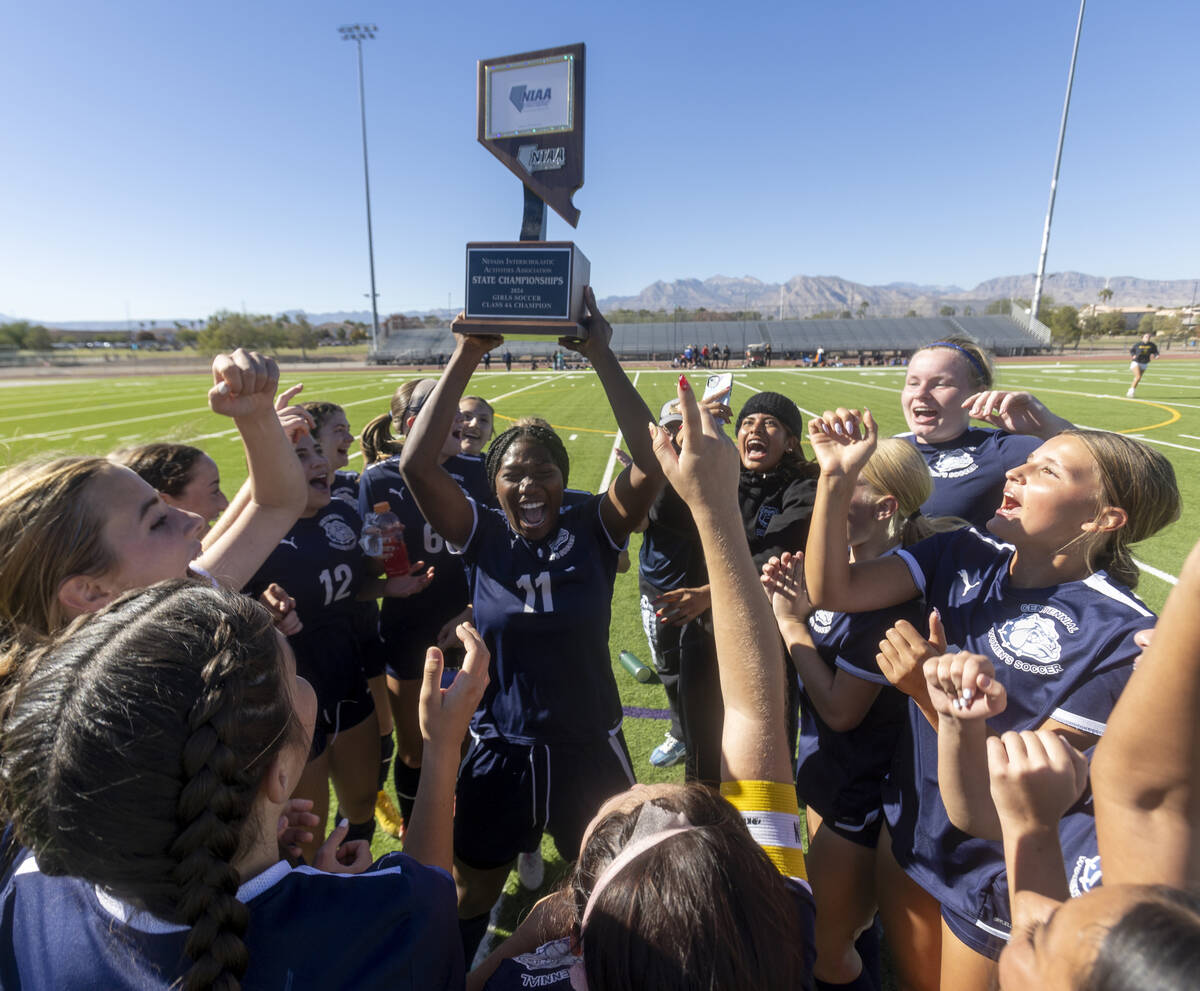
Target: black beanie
{"points": [[777, 405]]}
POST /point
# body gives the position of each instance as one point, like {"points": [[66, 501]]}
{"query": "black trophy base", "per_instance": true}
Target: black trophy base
{"points": [[514, 330]]}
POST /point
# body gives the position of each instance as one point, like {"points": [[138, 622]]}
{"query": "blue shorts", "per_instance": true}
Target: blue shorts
{"points": [[405, 643], [510, 793], [987, 937], [863, 831]]}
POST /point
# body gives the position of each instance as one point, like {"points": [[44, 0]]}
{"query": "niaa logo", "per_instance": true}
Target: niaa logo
{"points": [[1032, 636], [523, 97], [338, 533], [821, 621]]}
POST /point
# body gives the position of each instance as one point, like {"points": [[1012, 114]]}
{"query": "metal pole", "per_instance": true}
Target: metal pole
{"points": [[357, 33], [1062, 133]]}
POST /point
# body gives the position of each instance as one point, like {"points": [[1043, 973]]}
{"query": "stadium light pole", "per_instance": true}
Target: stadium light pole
{"points": [[1062, 133], [358, 33]]}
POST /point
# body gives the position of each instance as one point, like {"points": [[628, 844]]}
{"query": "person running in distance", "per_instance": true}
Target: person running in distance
{"points": [[1141, 353]]}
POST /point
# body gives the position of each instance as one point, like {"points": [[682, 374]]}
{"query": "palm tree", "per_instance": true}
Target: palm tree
{"points": [[1105, 294]]}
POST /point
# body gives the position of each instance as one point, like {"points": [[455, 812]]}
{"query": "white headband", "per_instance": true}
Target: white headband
{"points": [[654, 825]]}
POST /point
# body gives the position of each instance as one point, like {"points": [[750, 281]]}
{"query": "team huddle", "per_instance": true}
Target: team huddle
{"points": [[927, 643]]}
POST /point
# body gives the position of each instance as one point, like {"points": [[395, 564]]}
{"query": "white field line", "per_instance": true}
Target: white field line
{"points": [[1164, 443], [612, 455], [1154, 572], [746, 385]]}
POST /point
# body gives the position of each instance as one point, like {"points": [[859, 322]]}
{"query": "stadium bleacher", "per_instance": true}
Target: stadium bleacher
{"points": [[853, 341]]}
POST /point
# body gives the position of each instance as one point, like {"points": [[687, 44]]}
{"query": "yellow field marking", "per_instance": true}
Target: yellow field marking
{"points": [[559, 426], [1175, 414]]}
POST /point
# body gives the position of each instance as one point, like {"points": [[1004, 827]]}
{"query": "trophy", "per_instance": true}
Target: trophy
{"points": [[530, 116]]}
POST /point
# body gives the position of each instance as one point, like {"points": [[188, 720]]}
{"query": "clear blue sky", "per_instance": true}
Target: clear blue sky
{"points": [[171, 159]]}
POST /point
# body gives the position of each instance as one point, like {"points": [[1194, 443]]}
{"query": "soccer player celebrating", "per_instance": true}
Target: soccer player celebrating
{"points": [[948, 383], [548, 735], [1050, 607]]}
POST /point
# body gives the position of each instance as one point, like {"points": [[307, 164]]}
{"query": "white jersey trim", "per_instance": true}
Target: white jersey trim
{"points": [[1100, 583], [461, 549], [1082, 723], [914, 569]]}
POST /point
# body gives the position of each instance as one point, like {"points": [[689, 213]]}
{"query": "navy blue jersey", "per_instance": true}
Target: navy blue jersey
{"points": [[543, 609], [320, 564], [394, 927], [968, 472], [322, 567], [1143, 351], [345, 486], [840, 774], [447, 595], [670, 557], [1063, 653]]}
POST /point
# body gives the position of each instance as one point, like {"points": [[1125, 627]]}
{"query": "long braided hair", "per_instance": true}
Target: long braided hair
{"points": [[132, 748]]}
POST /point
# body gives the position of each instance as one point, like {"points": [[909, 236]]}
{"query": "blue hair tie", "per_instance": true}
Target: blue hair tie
{"points": [[983, 375]]}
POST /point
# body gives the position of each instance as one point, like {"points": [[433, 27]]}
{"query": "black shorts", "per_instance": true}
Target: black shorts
{"points": [[510, 793], [333, 666]]}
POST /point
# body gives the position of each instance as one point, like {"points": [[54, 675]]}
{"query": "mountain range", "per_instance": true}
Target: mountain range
{"points": [[804, 295]]}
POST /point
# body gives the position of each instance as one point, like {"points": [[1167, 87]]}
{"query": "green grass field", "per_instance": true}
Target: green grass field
{"points": [[80, 415]]}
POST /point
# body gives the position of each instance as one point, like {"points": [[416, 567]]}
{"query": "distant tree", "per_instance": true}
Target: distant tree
{"points": [[1146, 324], [359, 333], [302, 335], [1112, 323], [911, 313], [146, 335], [947, 311], [968, 311], [37, 338], [1105, 295], [1064, 325], [227, 330], [845, 315], [862, 309], [186, 337], [998, 307]]}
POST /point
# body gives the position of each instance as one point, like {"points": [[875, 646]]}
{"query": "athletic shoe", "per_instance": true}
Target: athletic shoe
{"points": [[531, 869], [1129, 394], [388, 816], [668, 753]]}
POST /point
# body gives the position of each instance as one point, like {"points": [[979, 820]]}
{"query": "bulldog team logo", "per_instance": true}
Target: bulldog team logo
{"points": [[954, 464], [338, 533], [562, 543], [765, 515], [821, 621], [1032, 637], [1085, 876]]}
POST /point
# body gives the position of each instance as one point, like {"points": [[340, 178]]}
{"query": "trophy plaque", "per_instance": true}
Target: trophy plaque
{"points": [[530, 116]]}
